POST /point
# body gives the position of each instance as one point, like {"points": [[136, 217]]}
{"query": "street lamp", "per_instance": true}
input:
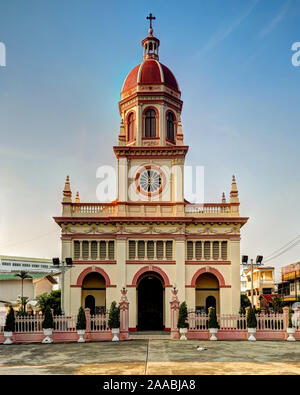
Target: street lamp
{"points": [[258, 262], [63, 268]]}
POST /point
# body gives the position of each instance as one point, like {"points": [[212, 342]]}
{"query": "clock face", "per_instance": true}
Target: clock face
{"points": [[150, 180]]}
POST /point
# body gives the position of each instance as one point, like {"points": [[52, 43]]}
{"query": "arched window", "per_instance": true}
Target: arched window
{"points": [[130, 127], [170, 126], [150, 123]]}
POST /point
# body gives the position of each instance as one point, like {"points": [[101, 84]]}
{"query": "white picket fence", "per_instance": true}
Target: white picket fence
{"points": [[31, 324], [232, 322]]}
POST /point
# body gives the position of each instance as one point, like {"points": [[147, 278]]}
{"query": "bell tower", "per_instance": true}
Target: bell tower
{"points": [[150, 149]]}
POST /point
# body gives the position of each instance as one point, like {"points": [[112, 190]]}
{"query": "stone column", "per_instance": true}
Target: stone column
{"points": [[124, 315], [174, 306], [235, 275], [121, 262], [180, 267]]}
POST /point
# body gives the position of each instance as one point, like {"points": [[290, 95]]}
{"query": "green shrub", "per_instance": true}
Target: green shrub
{"points": [[81, 320], [51, 299], [183, 316], [10, 321], [48, 322], [212, 319], [114, 316], [290, 319], [251, 318]]}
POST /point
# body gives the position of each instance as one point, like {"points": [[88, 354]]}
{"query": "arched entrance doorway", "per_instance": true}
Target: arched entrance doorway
{"points": [[93, 293], [150, 301], [207, 292]]}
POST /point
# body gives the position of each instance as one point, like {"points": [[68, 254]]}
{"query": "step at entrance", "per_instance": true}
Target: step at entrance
{"points": [[142, 335]]}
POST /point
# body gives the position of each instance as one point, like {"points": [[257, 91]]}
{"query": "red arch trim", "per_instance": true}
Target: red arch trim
{"points": [[211, 270], [90, 270], [155, 269]]}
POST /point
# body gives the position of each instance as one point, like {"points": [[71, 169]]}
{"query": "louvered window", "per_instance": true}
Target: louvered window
{"points": [[159, 250], [111, 250], [141, 249], [76, 249], [215, 250], [190, 253], [102, 250], [85, 249], [94, 250], [169, 249], [207, 250], [198, 250], [150, 249], [224, 250], [131, 249]]}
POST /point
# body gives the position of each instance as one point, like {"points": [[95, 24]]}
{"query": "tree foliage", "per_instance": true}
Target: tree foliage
{"points": [[114, 316], [48, 322], [10, 321], [51, 299], [251, 318], [212, 319], [183, 316], [81, 319]]}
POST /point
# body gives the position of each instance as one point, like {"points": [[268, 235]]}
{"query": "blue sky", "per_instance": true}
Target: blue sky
{"points": [[66, 62]]}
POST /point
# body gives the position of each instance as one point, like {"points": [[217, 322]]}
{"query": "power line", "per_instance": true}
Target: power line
{"points": [[283, 251], [275, 252], [28, 241]]}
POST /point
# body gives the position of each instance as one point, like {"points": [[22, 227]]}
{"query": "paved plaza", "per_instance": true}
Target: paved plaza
{"points": [[152, 357]]}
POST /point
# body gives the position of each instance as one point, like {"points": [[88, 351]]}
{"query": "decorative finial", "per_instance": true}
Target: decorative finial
{"points": [[223, 198], [234, 193], [67, 193], [150, 17], [77, 199]]}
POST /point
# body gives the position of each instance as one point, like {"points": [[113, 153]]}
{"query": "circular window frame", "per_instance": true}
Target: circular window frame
{"points": [[162, 177]]}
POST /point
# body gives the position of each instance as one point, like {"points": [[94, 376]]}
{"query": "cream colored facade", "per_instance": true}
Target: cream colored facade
{"points": [[150, 238], [263, 283]]}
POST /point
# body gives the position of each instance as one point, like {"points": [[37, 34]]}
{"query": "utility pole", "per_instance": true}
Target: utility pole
{"points": [[258, 262], [63, 268]]}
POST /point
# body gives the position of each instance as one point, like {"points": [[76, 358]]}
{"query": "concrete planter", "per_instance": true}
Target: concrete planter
{"points": [[48, 333], [115, 332], [8, 336], [183, 332], [213, 332], [81, 333], [251, 332], [290, 332]]}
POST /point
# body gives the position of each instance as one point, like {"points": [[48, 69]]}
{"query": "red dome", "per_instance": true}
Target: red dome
{"points": [[150, 71]]}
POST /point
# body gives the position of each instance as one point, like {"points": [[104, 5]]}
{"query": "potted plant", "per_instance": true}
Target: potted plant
{"points": [[290, 330], [48, 325], [81, 324], [213, 324], [183, 323], [9, 327], [251, 323], [114, 321]]}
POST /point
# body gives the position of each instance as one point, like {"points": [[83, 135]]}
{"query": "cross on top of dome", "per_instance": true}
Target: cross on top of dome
{"points": [[150, 17], [150, 43]]}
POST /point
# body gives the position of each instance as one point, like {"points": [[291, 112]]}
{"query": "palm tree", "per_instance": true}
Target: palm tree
{"points": [[23, 275]]}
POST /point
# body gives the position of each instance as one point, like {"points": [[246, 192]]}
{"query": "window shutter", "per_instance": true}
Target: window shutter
{"points": [[111, 250], [169, 249], [141, 249], [207, 249], [150, 249], [190, 253], [131, 249], [94, 250], [159, 249], [76, 249], [198, 250], [102, 250], [85, 249], [224, 250], [215, 250]]}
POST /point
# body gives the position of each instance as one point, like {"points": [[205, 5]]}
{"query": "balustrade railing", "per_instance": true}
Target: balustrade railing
{"points": [[232, 322], [208, 209]]}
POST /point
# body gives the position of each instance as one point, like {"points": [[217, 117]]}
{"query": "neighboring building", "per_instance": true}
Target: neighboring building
{"points": [[263, 284], [289, 287], [10, 286], [17, 263], [150, 238]]}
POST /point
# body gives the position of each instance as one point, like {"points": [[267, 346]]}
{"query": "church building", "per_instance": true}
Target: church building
{"points": [[150, 239]]}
